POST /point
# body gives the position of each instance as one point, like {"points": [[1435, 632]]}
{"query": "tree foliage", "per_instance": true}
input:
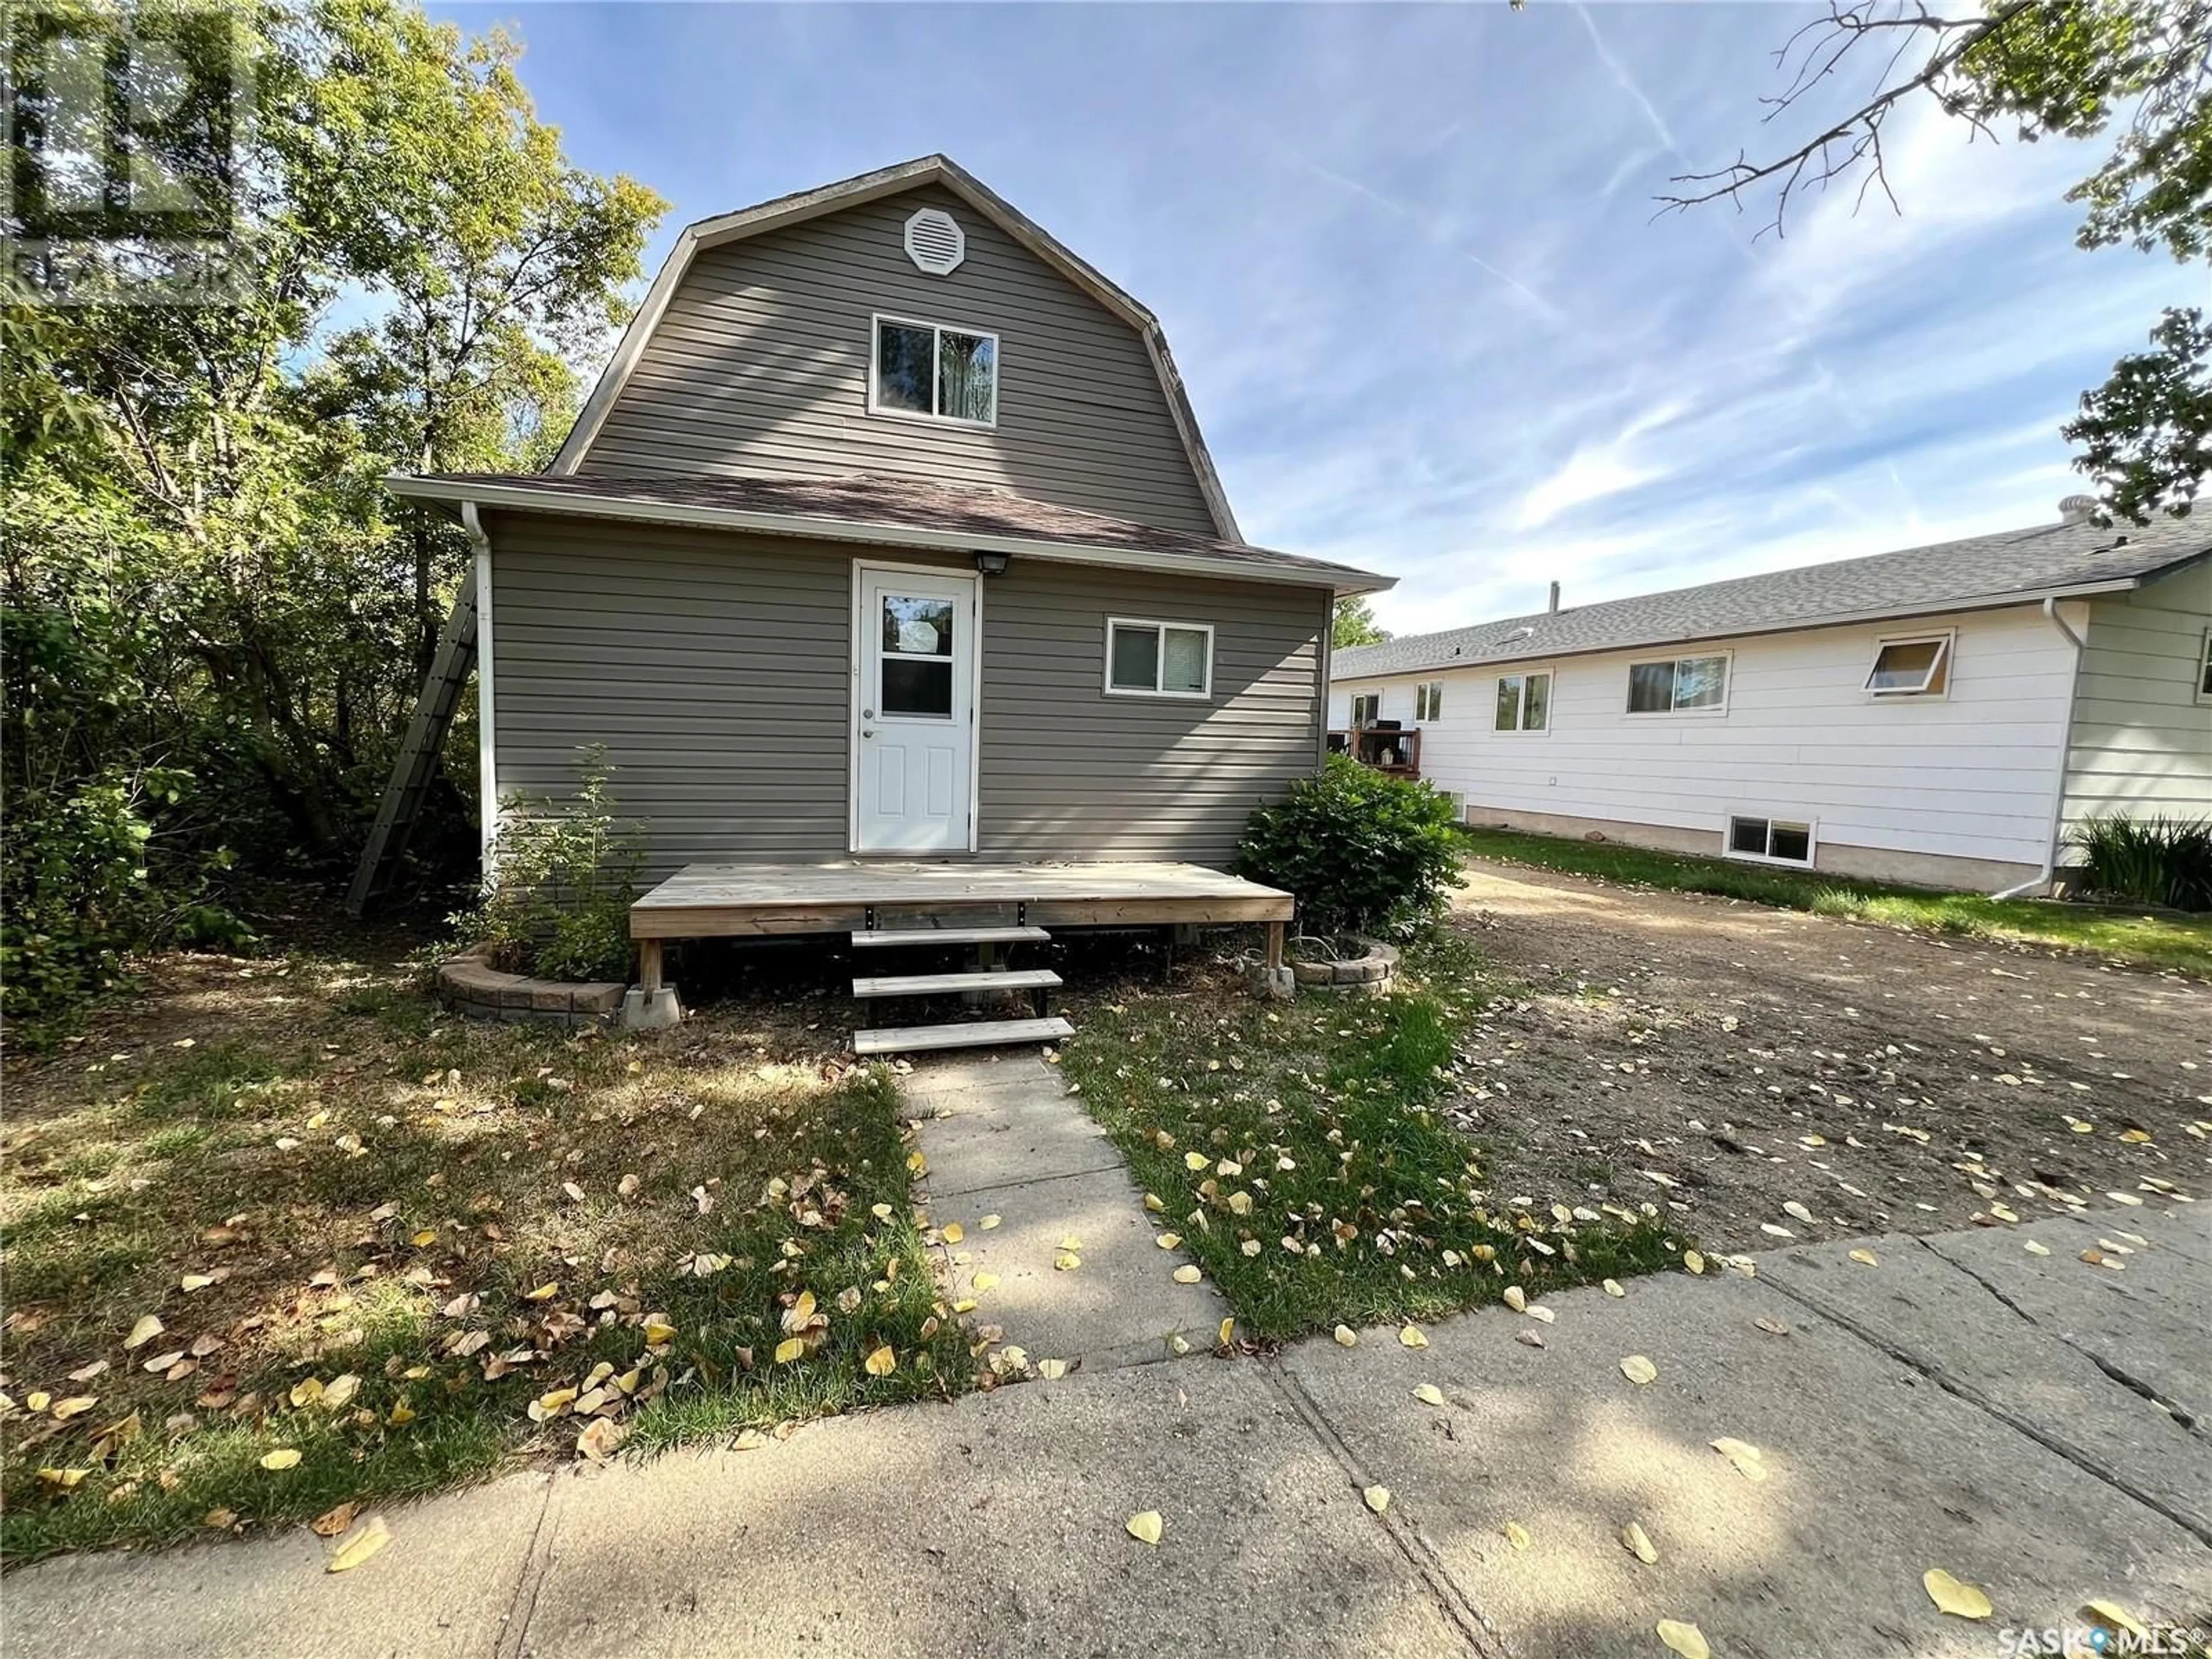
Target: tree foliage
{"points": [[2136, 71], [215, 618], [1352, 622], [1364, 853]]}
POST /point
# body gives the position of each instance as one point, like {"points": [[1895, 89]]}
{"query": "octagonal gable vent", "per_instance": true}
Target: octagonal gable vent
{"points": [[934, 241]]}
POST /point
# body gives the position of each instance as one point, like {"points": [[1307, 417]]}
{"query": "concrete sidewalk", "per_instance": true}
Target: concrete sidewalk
{"points": [[2027, 1423]]}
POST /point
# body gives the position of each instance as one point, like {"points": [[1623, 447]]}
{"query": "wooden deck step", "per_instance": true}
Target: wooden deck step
{"points": [[881, 936], [938, 985], [961, 1034]]}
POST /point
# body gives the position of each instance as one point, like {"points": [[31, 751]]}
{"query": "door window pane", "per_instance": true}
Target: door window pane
{"points": [[903, 366], [1136, 659], [917, 627], [918, 686], [967, 376], [1184, 667], [1536, 705], [1700, 682], [1650, 688]]}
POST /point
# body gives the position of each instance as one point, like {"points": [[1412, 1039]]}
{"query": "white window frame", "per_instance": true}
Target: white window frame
{"points": [[1358, 697], [1522, 729], [1811, 826], [1727, 686], [877, 406], [1428, 701], [2204, 668], [1159, 659], [1946, 644]]}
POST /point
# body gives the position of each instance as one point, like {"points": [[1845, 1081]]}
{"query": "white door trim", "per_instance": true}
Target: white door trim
{"points": [[859, 634]]}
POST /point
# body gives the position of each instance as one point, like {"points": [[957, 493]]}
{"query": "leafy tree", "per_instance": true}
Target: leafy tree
{"points": [[2139, 71], [1352, 622], [1364, 853]]}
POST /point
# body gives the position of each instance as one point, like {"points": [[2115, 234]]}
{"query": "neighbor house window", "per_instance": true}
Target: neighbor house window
{"points": [[1429, 700], [1158, 659], [1911, 668], [945, 374], [1656, 688], [1367, 708], [1524, 703], [2205, 669], [1770, 838]]}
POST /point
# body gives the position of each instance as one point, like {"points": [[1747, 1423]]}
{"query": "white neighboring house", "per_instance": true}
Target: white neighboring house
{"points": [[1942, 716]]}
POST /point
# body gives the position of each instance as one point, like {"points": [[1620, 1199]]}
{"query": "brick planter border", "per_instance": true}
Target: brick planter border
{"points": [[469, 986], [1364, 976]]}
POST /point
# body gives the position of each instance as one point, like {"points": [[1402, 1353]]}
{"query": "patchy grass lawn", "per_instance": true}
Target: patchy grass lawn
{"points": [[1303, 1154], [2145, 940], [289, 1214]]}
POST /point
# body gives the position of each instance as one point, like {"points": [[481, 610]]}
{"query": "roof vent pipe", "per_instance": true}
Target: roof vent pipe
{"points": [[1554, 606], [2076, 509]]}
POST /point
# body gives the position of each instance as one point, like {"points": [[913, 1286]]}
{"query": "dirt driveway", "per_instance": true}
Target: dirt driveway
{"points": [[1729, 1060]]}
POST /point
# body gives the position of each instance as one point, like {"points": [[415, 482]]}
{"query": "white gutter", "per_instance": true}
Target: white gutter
{"points": [[575, 504], [487, 726], [2043, 878]]}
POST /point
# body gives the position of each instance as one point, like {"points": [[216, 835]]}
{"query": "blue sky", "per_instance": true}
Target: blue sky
{"points": [[1407, 260]]}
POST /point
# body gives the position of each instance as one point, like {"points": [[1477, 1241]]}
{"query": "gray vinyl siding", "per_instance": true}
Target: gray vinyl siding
{"points": [[2141, 741], [760, 364], [717, 670]]}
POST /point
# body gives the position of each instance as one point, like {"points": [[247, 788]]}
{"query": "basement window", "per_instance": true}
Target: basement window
{"points": [[934, 372], [1685, 684], [1770, 840], [1911, 668], [1524, 703], [1429, 700], [1158, 659]]}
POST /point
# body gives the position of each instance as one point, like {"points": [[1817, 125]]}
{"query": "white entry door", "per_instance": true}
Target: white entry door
{"points": [[913, 754]]}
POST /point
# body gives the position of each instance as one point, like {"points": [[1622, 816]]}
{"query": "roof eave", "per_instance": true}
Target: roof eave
{"points": [[852, 192], [1839, 619], [576, 504]]}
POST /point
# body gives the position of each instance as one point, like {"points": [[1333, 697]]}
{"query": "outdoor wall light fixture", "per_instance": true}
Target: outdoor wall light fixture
{"points": [[991, 564]]}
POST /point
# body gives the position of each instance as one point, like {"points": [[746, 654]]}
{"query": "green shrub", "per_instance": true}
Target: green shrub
{"points": [[2157, 861], [564, 875], [1365, 853]]}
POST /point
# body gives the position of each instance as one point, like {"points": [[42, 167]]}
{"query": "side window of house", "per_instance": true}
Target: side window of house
{"points": [[1770, 839], [1366, 708], [2205, 669], [1158, 659], [937, 373], [1524, 703], [1429, 700], [1911, 668], [1660, 688]]}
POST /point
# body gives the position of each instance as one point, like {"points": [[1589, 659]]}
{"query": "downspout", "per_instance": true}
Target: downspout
{"points": [[2043, 878], [487, 726]]}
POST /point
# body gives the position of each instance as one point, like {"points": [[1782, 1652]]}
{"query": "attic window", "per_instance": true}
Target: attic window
{"points": [[1911, 668], [935, 242], [935, 373]]}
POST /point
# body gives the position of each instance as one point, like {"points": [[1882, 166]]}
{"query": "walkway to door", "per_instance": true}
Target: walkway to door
{"points": [[1054, 1245]]}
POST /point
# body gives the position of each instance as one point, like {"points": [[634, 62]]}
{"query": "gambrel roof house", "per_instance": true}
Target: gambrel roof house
{"points": [[1941, 715], [890, 531]]}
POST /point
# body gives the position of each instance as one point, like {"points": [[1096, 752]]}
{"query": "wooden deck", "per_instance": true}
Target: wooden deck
{"points": [[711, 901]]}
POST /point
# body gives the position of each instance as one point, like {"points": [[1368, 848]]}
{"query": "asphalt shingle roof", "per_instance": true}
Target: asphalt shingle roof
{"points": [[864, 499], [1978, 572]]}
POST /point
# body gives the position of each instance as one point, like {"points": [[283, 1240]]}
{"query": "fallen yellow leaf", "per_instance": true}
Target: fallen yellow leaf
{"points": [[282, 1458], [658, 1331], [1748, 1461], [1696, 1264], [952, 1233], [1960, 1601], [1639, 1543], [788, 1350], [2119, 1617], [881, 1362], [1195, 1161], [1168, 1240], [1346, 1337], [985, 1281], [1186, 1274], [1147, 1527], [1378, 1498], [1516, 1534], [1612, 1287], [1865, 1258], [1052, 1370], [1429, 1394], [1517, 1298], [1411, 1336], [373, 1536], [1686, 1639], [64, 1479], [543, 1293], [1228, 1331], [144, 1331], [1637, 1369], [987, 1224]]}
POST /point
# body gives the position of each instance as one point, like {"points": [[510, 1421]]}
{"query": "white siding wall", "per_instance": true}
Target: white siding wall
{"points": [[2143, 740], [1971, 774]]}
